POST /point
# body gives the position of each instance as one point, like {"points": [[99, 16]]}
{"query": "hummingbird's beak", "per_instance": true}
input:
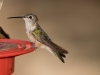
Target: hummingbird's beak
{"points": [[15, 17]]}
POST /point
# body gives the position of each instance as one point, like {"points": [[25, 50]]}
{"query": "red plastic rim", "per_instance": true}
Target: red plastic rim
{"points": [[12, 47]]}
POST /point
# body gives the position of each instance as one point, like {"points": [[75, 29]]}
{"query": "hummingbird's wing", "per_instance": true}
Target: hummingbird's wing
{"points": [[43, 38], [57, 50]]}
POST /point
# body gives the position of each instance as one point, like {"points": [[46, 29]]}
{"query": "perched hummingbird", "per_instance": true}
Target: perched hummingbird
{"points": [[37, 35], [3, 34]]}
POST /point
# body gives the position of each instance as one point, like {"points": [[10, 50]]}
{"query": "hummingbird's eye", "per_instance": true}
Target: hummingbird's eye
{"points": [[30, 17]]}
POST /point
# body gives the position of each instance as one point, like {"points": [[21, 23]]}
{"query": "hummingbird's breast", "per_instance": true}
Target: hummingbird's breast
{"points": [[31, 37]]}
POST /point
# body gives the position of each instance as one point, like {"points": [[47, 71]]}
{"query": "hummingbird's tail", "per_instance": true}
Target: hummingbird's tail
{"points": [[57, 50], [59, 55]]}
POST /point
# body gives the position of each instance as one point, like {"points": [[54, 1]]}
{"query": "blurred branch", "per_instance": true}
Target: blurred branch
{"points": [[1, 2], [3, 34]]}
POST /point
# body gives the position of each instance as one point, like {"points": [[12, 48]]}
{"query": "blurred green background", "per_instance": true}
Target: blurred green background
{"points": [[72, 24]]}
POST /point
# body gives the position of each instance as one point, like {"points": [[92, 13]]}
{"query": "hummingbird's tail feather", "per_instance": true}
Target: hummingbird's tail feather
{"points": [[58, 54], [62, 55], [56, 50]]}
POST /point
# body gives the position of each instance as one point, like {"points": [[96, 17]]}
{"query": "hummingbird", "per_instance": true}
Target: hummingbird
{"points": [[38, 36], [3, 34]]}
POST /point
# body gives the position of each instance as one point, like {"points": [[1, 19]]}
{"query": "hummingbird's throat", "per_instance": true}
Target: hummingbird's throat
{"points": [[30, 26]]}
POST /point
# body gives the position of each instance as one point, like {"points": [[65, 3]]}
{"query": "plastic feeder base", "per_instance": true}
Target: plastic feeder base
{"points": [[6, 66]]}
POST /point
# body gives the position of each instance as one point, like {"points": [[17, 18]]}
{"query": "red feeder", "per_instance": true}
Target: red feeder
{"points": [[8, 50]]}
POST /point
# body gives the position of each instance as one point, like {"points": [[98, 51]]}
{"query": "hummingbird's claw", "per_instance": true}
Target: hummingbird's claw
{"points": [[33, 46]]}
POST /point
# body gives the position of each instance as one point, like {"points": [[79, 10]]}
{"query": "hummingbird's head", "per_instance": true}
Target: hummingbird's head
{"points": [[28, 18]]}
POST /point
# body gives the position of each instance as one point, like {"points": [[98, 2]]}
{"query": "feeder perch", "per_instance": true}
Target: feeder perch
{"points": [[10, 48]]}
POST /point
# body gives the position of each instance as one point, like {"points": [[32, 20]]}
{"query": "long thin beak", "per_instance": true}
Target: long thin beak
{"points": [[15, 17]]}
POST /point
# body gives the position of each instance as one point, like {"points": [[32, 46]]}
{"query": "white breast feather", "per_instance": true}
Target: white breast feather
{"points": [[33, 27]]}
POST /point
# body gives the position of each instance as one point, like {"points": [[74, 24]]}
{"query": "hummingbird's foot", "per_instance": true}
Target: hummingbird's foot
{"points": [[33, 46]]}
